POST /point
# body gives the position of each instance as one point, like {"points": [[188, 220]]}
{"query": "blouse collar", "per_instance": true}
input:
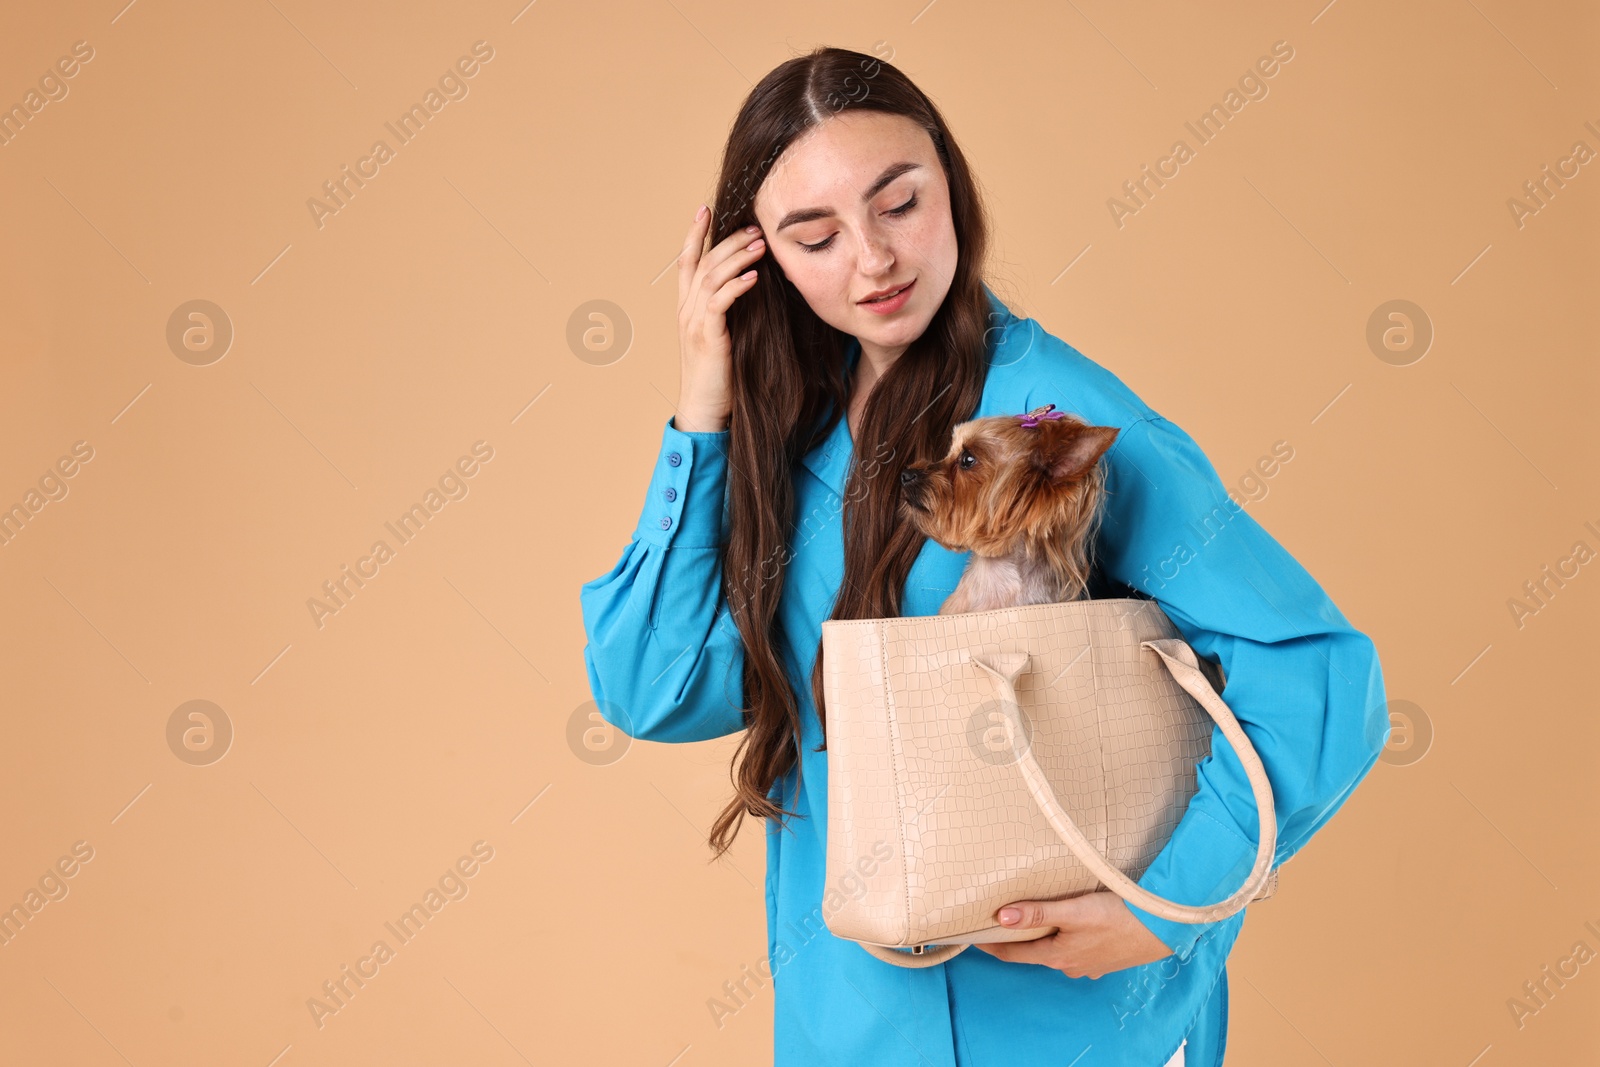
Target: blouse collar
{"points": [[830, 459]]}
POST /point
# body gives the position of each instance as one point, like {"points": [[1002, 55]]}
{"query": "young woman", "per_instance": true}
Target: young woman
{"points": [[810, 377]]}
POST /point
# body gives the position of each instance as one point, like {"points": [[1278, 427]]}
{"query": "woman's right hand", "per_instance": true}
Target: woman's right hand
{"points": [[708, 284]]}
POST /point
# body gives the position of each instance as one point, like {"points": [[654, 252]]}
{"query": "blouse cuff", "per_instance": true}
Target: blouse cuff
{"points": [[687, 496], [1215, 862]]}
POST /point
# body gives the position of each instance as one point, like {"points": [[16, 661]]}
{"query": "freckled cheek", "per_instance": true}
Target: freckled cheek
{"points": [[817, 282], [932, 240]]}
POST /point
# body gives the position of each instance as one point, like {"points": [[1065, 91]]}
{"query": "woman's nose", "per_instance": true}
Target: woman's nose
{"points": [[876, 256]]}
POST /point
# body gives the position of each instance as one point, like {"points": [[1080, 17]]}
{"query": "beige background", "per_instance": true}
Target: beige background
{"points": [[431, 312]]}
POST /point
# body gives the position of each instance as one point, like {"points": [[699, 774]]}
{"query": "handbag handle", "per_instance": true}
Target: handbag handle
{"points": [[1004, 667]]}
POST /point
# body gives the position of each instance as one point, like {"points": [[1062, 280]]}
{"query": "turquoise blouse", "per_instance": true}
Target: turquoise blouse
{"points": [[664, 664]]}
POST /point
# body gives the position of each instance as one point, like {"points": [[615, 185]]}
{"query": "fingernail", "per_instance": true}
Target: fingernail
{"points": [[752, 229], [1009, 915], [698, 215]]}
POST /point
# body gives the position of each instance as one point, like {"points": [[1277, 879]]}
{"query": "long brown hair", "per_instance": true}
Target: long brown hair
{"points": [[790, 389]]}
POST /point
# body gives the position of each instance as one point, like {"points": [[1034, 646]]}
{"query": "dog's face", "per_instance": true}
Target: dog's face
{"points": [[1004, 482]]}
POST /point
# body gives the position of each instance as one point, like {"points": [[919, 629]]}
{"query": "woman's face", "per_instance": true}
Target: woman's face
{"points": [[857, 206]]}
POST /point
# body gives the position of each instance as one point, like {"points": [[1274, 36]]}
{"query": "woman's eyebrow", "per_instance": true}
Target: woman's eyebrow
{"points": [[807, 214]]}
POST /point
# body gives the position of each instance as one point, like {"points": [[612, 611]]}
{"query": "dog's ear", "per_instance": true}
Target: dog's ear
{"points": [[1075, 453]]}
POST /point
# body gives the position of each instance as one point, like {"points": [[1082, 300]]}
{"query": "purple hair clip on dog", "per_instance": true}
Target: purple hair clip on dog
{"points": [[1034, 417]]}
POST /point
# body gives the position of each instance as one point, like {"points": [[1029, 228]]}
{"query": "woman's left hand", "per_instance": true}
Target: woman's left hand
{"points": [[1096, 934]]}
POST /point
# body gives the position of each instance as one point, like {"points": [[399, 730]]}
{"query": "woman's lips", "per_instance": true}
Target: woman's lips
{"points": [[894, 303]]}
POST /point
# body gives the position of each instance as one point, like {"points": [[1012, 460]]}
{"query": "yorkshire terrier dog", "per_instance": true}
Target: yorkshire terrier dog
{"points": [[1022, 493]]}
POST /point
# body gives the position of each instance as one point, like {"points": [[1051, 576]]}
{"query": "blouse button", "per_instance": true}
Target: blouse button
{"points": [[666, 522], [671, 494], [674, 459]]}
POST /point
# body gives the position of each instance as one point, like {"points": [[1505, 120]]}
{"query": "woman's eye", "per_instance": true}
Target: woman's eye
{"points": [[901, 210]]}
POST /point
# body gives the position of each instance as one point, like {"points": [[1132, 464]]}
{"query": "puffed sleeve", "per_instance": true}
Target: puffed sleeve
{"points": [[1304, 684], [664, 658]]}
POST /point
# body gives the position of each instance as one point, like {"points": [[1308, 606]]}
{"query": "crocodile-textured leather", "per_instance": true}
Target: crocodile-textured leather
{"points": [[1109, 715]]}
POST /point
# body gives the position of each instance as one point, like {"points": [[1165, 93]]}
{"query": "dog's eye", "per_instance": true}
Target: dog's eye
{"points": [[967, 460]]}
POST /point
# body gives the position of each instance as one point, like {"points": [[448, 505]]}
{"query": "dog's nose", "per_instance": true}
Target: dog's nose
{"points": [[909, 476]]}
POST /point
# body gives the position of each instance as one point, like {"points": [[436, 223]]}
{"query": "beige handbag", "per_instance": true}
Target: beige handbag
{"points": [[958, 743]]}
